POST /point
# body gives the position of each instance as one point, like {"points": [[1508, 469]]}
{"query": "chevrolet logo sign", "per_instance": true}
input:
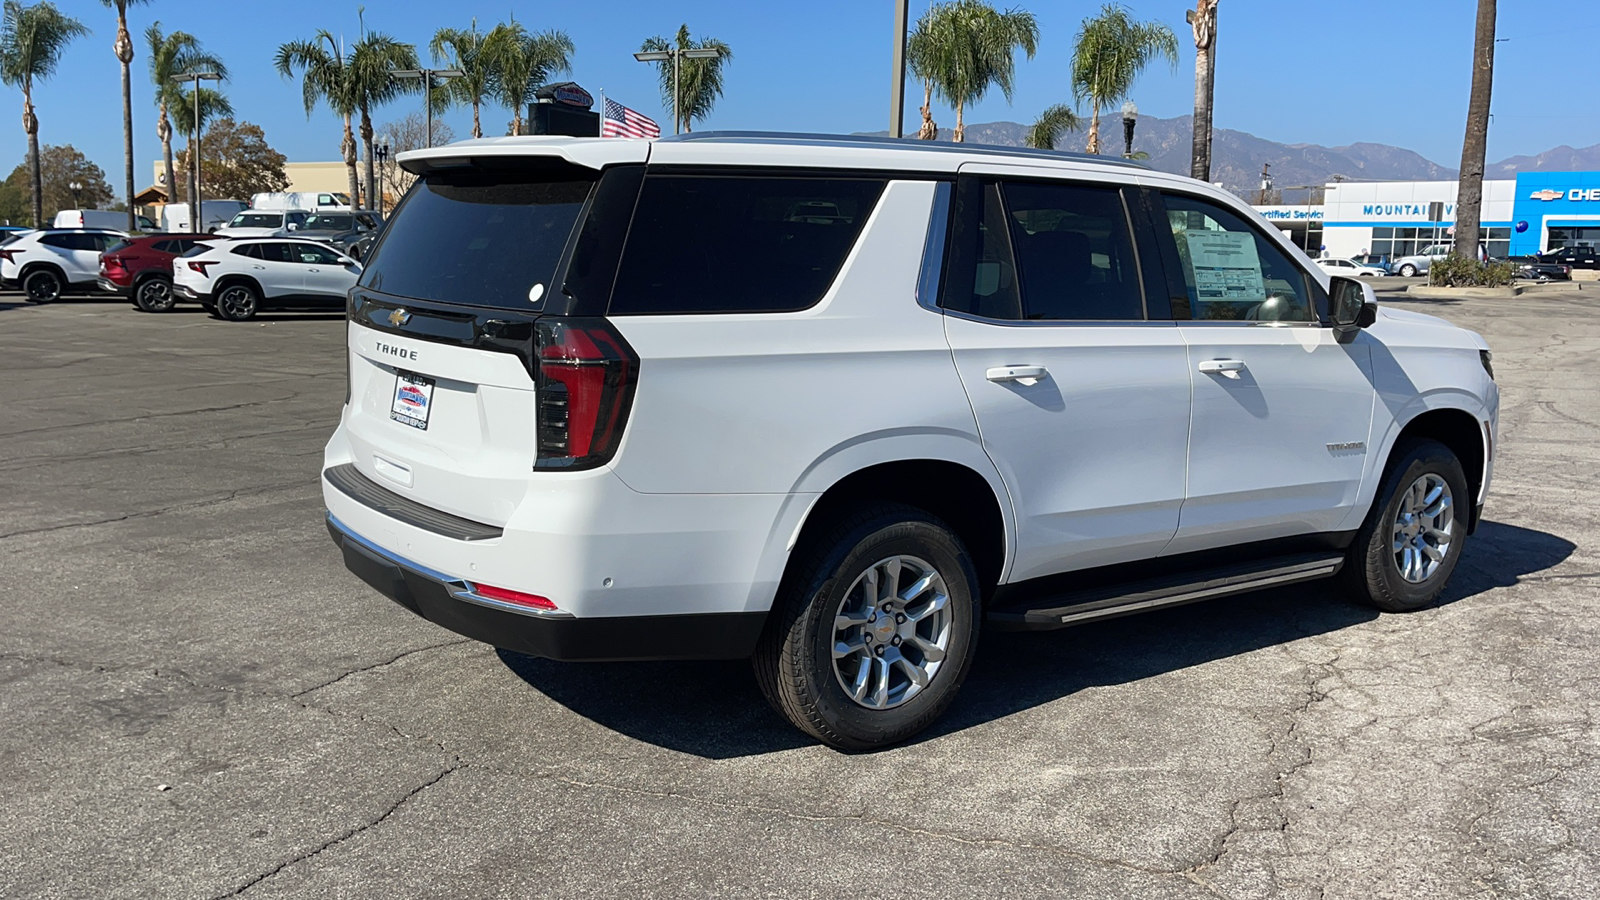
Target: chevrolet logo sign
{"points": [[399, 317], [1546, 195]]}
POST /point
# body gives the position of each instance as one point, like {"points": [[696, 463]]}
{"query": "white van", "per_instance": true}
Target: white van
{"points": [[312, 200], [216, 213], [101, 218]]}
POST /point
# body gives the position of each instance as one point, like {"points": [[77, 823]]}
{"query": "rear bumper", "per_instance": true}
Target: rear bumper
{"points": [[450, 603], [184, 292], [111, 287]]}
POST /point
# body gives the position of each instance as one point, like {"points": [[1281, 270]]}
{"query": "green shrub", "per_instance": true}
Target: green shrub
{"points": [[1453, 271]]}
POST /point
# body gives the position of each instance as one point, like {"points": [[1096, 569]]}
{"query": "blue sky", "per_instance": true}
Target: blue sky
{"points": [[1386, 71]]}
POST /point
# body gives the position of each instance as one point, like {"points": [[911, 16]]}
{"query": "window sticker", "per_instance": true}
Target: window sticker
{"points": [[1226, 265]]}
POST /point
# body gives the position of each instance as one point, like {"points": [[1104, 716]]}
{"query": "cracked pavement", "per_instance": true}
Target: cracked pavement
{"points": [[199, 701]]}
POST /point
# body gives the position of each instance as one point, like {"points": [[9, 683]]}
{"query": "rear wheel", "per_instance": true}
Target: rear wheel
{"points": [[237, 302], [154, 295], [1408, 270], [43, 286], [873, 629], [1405, 551]]}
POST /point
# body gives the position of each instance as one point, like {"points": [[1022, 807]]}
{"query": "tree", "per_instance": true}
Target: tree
{"points": [[59, 168], [1112, 50], [1052, 124], [237, 162], [1203, 19], [31, 41], [1469, 190], [212, 105], [968, 47], [327, 79], [372, 63], [698, 81], [409, 133], [524, 61], [467, 50], [173, 54], [123, 48]]}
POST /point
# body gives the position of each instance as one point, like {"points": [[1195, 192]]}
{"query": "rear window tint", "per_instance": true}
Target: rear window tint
{"points": [[480, 238], [719, 244]]}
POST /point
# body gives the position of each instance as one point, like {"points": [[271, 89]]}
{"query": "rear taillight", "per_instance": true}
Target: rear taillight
{"points": [[586, 375], [517, 598], [200, 266], [7, 255]]}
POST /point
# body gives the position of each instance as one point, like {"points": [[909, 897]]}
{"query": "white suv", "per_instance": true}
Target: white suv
{"points": [[834, 403], [234, 279], [48, 263]]}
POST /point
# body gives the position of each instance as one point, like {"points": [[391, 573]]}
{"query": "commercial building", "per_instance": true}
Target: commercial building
{"points": [[1536, 211]]}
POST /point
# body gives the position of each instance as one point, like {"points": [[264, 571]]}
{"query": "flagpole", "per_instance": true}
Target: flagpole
{"points": [[602, 122]]}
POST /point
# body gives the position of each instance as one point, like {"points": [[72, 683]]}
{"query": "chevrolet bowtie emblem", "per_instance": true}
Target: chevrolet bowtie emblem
{"points": [[1546, 195], [399, 317]]}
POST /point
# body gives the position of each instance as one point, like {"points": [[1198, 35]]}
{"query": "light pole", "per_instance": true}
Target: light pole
{"points": [[676, 54], [429, 78], [1130, 118], [1266, 182], [195, 225], [897, 92], [382, 152], [75, 188]]}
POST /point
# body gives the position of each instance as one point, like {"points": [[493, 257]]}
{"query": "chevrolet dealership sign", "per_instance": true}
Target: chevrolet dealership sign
{"points": [[1574, 195]]}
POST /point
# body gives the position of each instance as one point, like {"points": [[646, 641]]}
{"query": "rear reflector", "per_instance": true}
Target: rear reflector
{"points": [[532, 601], [586, 377]]}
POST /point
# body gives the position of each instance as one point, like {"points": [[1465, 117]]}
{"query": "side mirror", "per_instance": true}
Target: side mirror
{"points": [[293, 227], [1351, 305], [347, 261]]}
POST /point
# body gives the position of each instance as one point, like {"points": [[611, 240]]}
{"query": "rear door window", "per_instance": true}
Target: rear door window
{"points": [[482, 238], [1073, 251], [730, 244]]}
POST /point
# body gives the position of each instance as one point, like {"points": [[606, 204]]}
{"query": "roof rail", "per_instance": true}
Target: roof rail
{"points": [[890, 143]]}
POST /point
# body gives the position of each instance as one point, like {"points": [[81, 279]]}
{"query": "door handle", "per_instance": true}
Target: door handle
{"points": [[1025, 375], [263, 268], [1227, 368]]}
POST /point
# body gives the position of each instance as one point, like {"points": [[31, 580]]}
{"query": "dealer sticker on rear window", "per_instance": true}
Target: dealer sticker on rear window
{"points": [[413, 398]]}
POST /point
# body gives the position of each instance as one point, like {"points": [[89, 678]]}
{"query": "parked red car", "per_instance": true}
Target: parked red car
{"points": [[141, 268]]}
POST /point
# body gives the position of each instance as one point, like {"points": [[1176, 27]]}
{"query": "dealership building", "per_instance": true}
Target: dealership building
{"points": [[1535, 212]]}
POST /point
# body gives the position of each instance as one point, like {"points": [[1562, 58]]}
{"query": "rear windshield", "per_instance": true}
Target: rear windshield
{"points": [[480, 238], [257, 220], [322, 222]]}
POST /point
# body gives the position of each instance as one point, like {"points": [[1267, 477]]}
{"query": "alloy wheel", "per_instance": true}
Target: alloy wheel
{"points": [[43, 287], [155, 295], [237, 303], [1423, 528], [891, 633]]}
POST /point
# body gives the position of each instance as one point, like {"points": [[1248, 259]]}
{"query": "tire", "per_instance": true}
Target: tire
{"points": [[43, 286], [829, 585], [1376, 571], [154, 295], [1408, 271], [237, 302]]}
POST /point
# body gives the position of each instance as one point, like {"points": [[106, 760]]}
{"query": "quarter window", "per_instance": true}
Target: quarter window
{"points": [[728, 244], [1231, 271]]}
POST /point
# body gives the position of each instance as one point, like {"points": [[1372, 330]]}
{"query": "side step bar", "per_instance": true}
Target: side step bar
{"points": [[1085, 606]]}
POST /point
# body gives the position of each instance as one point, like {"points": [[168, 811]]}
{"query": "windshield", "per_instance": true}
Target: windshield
{"points": [[256, 220], [323, 222], [479, 238]]}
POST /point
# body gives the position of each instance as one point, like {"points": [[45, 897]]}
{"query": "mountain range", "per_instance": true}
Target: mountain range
{"points": [[1237, 157]]}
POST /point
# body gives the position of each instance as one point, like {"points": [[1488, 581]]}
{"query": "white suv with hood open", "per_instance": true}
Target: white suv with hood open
{"points": [[833, 404]]}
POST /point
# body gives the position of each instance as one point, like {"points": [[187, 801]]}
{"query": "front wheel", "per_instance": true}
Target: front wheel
{"points": [[237, 303], [1408, 271], [1412, 539], [42, 286], [154, 295], [873, 629]]}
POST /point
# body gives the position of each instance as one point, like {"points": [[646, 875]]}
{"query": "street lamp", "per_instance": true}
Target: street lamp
{"points": [[75, 188], [195, 225], [429, 78], [1266, 182], [1130, 118], [382, 152], [897, 90], [676, 54]]}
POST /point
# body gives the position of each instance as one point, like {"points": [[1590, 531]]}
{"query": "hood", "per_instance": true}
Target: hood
{"points": [[1408, 321]]}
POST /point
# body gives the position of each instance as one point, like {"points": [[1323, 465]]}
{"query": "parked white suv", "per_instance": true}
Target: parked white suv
{"points": [[835, 404], [235, 279], [50, 262]]}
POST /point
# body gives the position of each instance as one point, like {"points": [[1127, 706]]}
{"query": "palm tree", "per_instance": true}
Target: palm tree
{"points": [[699, 81], [31, 41], [327, 79], [124, 50], [173, 54], [969, 47], [928, 52], [1052, 124], [1112, 50], [1203, 19], [1469, 191], [213, 105], [469, 51], [525, 61], [372, 61]]}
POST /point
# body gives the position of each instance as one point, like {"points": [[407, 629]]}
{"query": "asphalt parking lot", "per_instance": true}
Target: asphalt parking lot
{"points": [[199, 701]]}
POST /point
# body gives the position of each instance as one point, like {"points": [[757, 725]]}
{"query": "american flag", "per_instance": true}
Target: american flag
{"points": [[621, 121]]}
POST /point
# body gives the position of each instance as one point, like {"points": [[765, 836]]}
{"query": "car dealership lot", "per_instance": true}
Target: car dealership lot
{"points": [[200, 700]]}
